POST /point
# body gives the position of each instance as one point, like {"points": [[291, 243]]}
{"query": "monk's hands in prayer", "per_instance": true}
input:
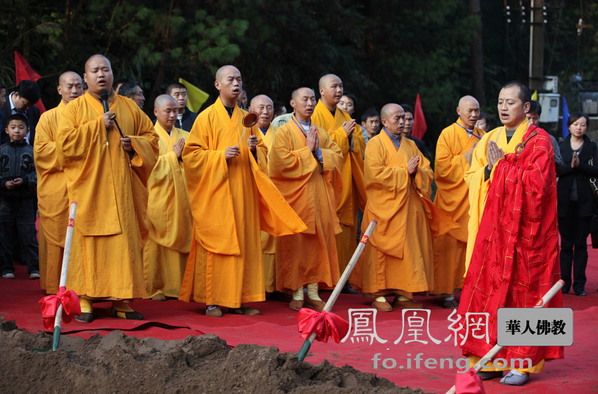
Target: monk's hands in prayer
{"points": [[494, 154], [349, 127], [109, 119], [231, 152], [313, 141], [575, 160], [177, 148], [252, 142], [469, 154], [13, 184], [126, 143], [412, 165]]}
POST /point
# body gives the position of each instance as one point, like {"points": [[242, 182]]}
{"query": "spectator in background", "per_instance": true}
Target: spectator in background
{"points": [[133, 91], [17, 200], [533, 117], [409, 117], [22, 101], [576, 201], [185, 117], [483, 122], [370, 122]]}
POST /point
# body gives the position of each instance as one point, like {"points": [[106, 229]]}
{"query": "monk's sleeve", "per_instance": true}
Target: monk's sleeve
{"points": [[261, 151], [74, 141], [167, 209], [424, 176], [145, 145], [339, 136], [286, 163], [206, 171], [332, 162], [44, 149], [388, 190], [450, 165]]}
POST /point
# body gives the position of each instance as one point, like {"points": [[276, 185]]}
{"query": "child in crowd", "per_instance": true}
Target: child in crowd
{"points": [[18, 182]]}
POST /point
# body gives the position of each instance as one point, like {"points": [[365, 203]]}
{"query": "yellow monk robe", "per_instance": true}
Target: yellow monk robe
{"points": [[313, 190], [353, 194], [268, 240], [109, 188], [452, 196], [399, 258], [52, 199], [475, 179], [170, 224], [230, 201]]}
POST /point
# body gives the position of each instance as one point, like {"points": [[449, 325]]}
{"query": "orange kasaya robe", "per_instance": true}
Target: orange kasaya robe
{"points": [[452, 196], [312, 189], [169, 216], [475, 178], [52, 199], [353, 194], [109, 188], [515, 260], [400, 253], [231, 200], [268, 240]]}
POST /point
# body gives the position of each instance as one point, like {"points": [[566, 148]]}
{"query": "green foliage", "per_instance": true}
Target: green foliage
{"points": [[384, 50]]}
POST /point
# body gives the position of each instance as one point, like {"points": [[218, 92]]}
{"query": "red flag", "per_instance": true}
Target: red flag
{"points": [[24, 71], [419, 122]]}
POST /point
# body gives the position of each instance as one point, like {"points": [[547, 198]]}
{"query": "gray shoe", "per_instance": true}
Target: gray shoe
{"points": [[512, 379]]}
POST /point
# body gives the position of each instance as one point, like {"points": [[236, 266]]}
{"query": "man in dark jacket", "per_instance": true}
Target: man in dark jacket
{"points": [[22, 101]]}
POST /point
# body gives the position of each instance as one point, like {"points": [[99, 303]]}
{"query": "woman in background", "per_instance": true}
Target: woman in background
{"points": [[576, 201]]}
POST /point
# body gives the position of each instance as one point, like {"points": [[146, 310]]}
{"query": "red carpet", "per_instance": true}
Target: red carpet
{"points": [[277, 327]]}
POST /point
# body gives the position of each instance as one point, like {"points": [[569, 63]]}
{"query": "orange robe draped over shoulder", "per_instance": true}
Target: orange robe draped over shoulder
{"points": [[399, 255], [312, 189], [452, 196], [52, 199], [268, 240], [169, 216], [230, 201], [110, 190], [353, 194]]}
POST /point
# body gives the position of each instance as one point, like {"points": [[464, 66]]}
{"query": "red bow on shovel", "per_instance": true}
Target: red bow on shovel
{"points": [[50, 304], [65, 304], [320, 325]]}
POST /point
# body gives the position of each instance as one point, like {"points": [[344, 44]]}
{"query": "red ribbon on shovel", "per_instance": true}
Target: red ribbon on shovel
{"points": [[323, 324], [70, 307]]}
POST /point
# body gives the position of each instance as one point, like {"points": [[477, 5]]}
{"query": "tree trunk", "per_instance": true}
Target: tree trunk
{"points": [[477, 55]]}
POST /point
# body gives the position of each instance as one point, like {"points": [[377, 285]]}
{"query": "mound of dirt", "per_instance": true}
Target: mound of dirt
{"points": [[204, 364]]}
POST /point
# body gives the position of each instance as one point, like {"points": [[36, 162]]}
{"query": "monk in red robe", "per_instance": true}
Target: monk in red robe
{"points": [[515, 257]]}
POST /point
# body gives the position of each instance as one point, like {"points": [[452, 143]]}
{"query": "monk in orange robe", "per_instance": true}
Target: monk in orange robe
{"points": [[454, 151], [231, 200], [169, 213], [515, 256], [263, 106], [52, 197], [305, 166], [106, 175], [399, 258], [349, 138]]}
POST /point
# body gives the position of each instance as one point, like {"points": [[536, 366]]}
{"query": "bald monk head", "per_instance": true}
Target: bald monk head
{"points": [[98, 75], [331, 90], [70, 86], [264, 107], [393, 118], [303, 101], [166, 110], [229, 84], [469, 111]]}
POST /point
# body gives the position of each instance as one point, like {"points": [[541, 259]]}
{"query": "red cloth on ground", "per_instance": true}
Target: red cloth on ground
{"points": [[515, 258]]}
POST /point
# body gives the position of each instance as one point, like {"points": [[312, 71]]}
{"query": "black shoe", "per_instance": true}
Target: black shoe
{"points": [[133, 315], [581, 293], [565, 290], [84, 317], [487, 375], [347, 289]]}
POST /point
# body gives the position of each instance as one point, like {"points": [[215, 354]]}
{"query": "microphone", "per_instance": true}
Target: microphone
{"points": [[104, 99]]}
